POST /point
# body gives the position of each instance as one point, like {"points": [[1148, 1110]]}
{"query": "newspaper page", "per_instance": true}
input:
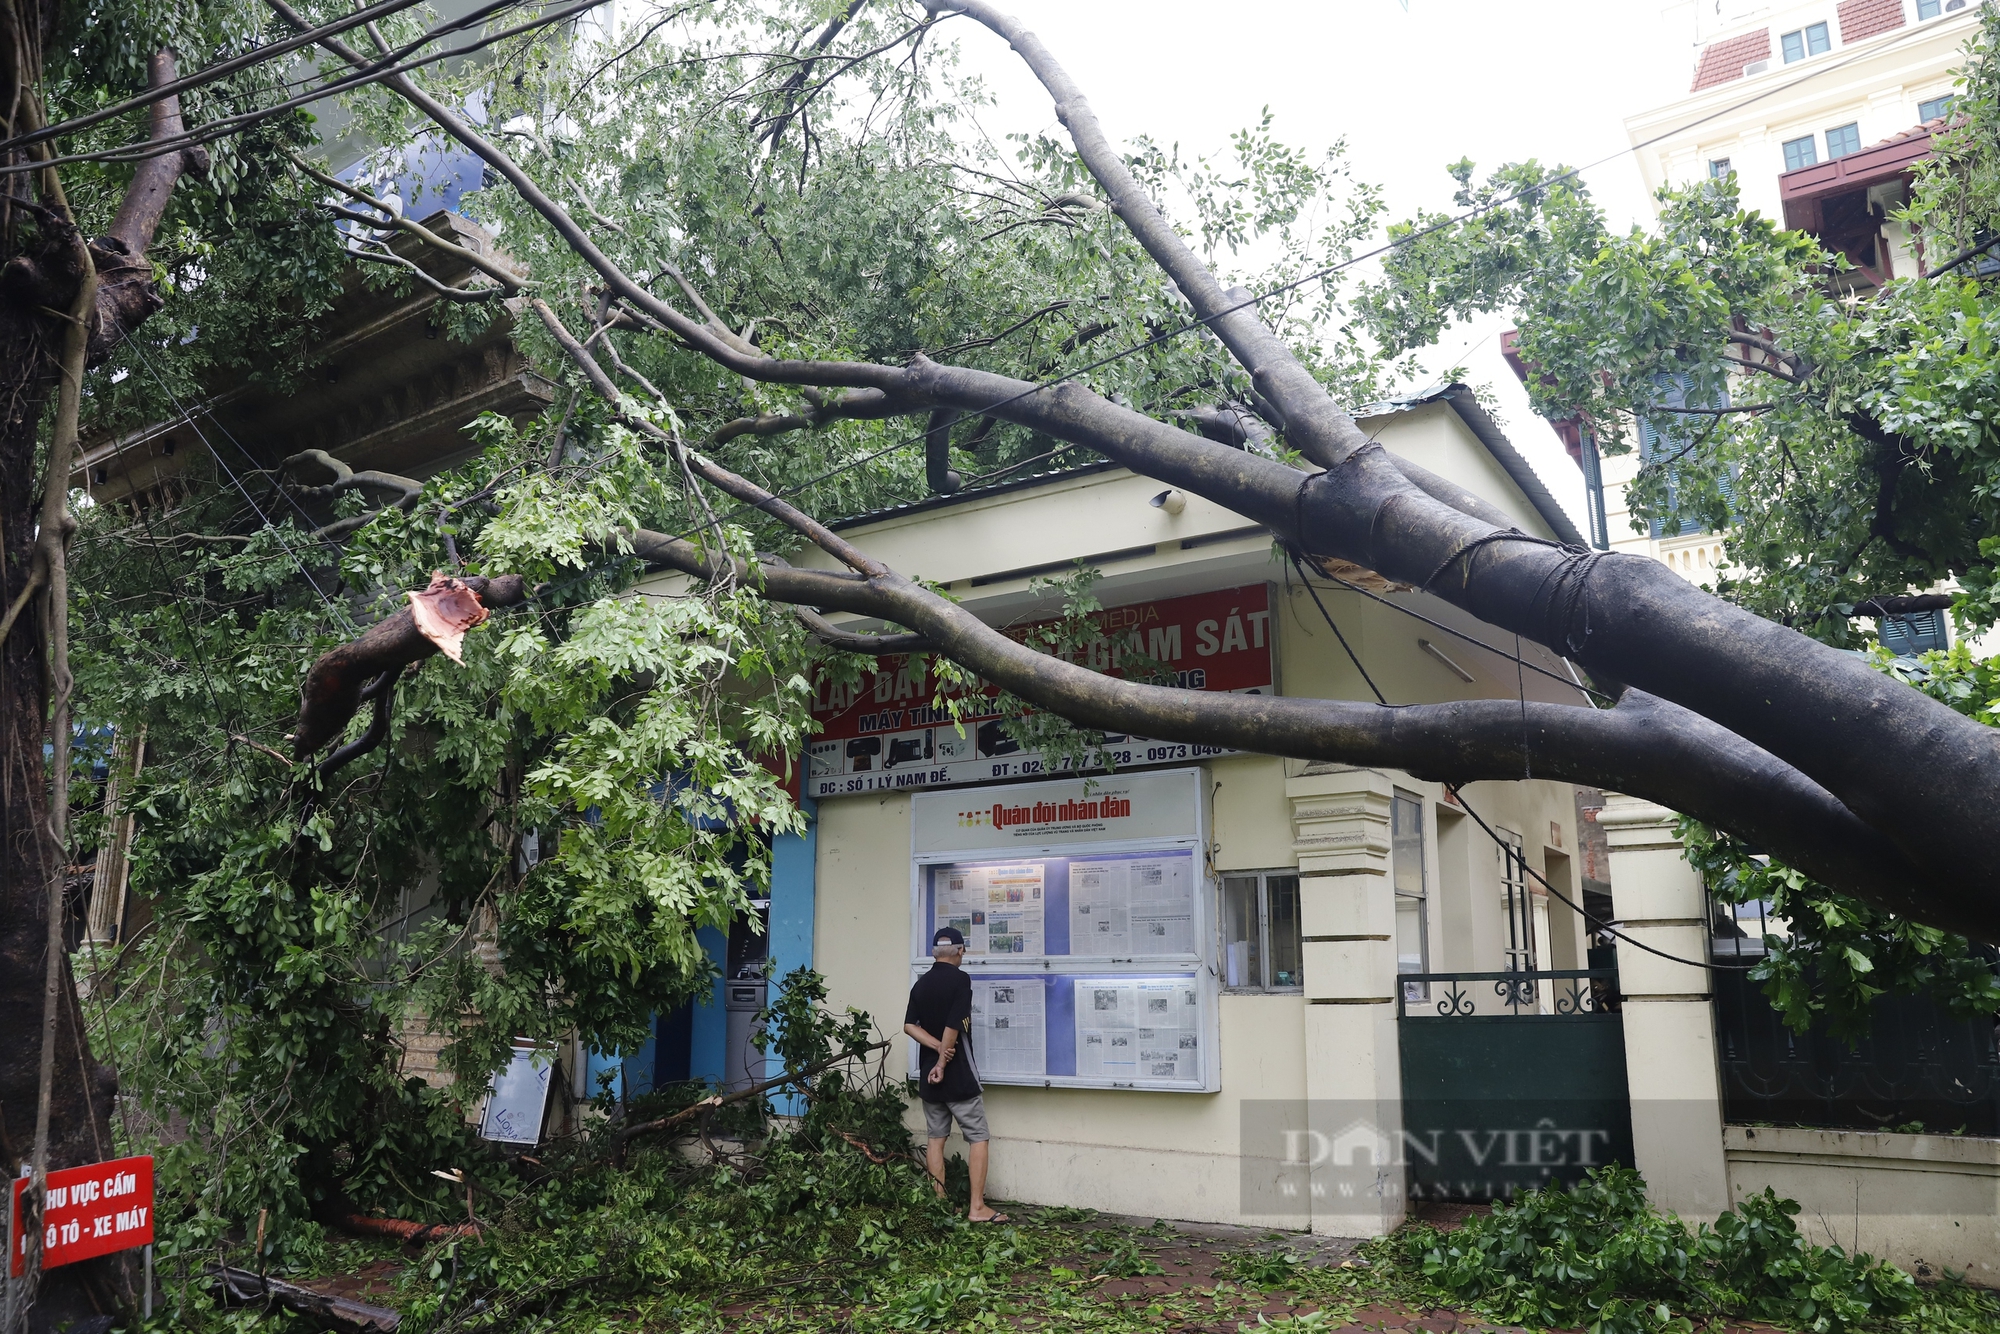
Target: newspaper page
{"points": [[1124, 907], [1014, 908], [1106, 1010], [961, 902], [998, 908], [1100, 908], [1162, 904], [1009, 1027], [1167, 1033]]}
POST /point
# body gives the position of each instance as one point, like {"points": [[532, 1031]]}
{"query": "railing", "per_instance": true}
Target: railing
{"points": [[1561, 993], [1916, 1067]]}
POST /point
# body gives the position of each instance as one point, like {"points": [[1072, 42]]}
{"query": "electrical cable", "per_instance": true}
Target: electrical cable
{"points": [[229, 125], [1458, 795], [1471, 639], [1352, 657], [1400, 241], [1331, 269], [210, 73], [338, 611], [208, 410]]}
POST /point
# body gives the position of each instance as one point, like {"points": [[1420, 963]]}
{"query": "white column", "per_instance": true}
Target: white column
{"points": [[1347, 912], [1670, 1059]]}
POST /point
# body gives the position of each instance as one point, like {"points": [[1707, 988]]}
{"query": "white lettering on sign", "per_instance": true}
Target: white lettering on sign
{"points": [[89, 1211]]}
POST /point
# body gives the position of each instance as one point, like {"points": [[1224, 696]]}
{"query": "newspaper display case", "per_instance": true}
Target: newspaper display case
{"points": [[1088, 919]]}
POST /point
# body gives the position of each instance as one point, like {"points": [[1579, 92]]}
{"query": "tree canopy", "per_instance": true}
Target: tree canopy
{"points": [[771, 260]]}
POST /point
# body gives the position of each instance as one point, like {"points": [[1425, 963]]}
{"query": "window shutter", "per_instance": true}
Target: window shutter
{"points": [[1914, 632]]}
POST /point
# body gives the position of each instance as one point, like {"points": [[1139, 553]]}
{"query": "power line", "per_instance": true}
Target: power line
{"points": [[1570, 681], [230, 125], [1331, 269], [1506, 848], [210, 73], [188, 418]]}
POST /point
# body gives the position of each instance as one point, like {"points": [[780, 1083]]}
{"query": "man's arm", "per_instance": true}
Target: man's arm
{"points": [[944, 1047]]}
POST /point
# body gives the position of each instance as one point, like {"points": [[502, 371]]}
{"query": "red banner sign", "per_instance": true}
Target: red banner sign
{"points": [[91, 1211], [887, 732]]}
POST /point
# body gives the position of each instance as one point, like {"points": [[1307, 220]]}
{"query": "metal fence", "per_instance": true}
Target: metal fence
{"points": [[1917, 1068], [1561, 992]]}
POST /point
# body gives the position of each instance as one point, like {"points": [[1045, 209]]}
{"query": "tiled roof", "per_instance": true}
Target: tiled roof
{"points": [[1866, 18], [1923, 131], [1724, 60]]}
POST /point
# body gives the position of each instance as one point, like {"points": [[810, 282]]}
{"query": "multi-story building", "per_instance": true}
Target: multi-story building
{"points": [[1818, 110]]}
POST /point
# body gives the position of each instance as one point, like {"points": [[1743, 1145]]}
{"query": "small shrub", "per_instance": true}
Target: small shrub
{"points": [[1599, 1256]]}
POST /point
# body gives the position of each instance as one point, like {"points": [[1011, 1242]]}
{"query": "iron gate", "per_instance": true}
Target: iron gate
{"points": [[1511, 1081]]}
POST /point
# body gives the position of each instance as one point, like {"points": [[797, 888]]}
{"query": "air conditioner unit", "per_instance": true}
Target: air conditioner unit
{"points": [[1756, 67]]}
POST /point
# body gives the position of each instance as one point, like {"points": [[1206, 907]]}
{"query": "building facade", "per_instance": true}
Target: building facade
{"points": [[1189, 966], [1818, 111]]}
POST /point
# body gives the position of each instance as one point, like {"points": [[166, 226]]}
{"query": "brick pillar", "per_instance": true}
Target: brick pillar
{"points": [[1347, 911], [1670, 1059]]}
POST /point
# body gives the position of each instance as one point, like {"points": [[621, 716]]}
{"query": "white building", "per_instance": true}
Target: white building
{"points": [[1818, 110]]}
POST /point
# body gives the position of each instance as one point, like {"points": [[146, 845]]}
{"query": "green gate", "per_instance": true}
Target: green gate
{"points": [[1511, 1081]]}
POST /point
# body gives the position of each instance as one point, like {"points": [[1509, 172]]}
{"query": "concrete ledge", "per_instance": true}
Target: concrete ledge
{"points": [[1879, 1149], [1926, 1203]]}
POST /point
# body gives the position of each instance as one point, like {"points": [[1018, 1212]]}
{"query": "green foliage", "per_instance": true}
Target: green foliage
{"points": [[1264, 1269], [1597, 1255], [1860, 458], [533, 850], [299, 940], [1837, 954]]}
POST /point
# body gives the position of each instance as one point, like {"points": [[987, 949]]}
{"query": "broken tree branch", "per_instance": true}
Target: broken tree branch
{"points": [[333, 687], [687, 1114]]}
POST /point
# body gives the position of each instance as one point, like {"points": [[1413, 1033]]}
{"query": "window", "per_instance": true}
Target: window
{"points": [[1260, 932], [1718, 167], [1406, 862], [1667, 443], [1516, 903], [1799, 153], [1811, 40], [1930, 9], [1842, 140], [1593, 493], [1937, 108], [1911, 633]]}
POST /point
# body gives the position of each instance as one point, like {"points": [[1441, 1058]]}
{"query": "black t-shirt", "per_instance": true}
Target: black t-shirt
{"points": [[941, 999]]}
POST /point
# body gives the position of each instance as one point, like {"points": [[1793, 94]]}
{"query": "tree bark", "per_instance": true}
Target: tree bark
{"points": [[39, 282], [1916, 775]]}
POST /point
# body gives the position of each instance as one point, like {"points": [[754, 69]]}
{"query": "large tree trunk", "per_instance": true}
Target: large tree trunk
{"points": [[42, 278], [1829, 766]]}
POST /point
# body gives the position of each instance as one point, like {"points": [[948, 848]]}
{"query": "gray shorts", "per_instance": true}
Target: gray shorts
{"points": [[970, 1115]]}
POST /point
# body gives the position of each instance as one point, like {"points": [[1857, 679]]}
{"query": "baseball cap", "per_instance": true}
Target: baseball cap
{"points": [[948, 935]]}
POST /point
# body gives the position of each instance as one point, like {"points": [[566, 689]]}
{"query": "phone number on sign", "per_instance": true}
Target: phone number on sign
{"points": [[984, 771]]}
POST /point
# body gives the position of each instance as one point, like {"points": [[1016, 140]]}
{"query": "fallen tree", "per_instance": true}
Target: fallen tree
{"points": [[1876, 789]]}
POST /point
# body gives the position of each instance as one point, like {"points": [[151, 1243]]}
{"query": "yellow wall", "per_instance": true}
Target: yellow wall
{"points": [[1176, 1154]]}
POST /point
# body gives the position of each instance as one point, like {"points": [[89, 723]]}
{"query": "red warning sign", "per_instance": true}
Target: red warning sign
{"points": [[91, 1211]]}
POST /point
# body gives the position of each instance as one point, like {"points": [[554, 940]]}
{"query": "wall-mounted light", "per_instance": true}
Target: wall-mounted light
{"points": [[1172, 501], [1438, 653]]}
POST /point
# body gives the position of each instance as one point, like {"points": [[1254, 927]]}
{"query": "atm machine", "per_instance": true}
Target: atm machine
{"points": [[744, 993]]}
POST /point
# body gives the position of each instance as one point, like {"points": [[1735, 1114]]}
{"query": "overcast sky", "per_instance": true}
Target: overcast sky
{"points": [[1409, 90]]}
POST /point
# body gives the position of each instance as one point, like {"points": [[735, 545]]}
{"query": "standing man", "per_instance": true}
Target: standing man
{"points": [[940, 1019]]}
